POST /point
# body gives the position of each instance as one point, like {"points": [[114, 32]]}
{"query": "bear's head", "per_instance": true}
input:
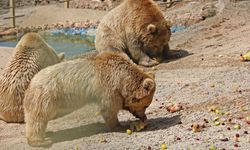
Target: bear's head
{"points": [[155, 38], [138, 98]]}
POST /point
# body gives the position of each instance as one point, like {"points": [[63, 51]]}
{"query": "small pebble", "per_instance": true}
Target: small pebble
{"points": [[225, 139]]}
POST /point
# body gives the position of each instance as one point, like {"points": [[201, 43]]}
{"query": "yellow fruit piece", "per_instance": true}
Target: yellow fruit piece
{"points": [[216, 118], [217, 111], [245, 57], [139, 125], [213, 108], [129, 132], [217, 123], [154, 68], [237, 126], [163, 146], [243, 109], [98, 113]]}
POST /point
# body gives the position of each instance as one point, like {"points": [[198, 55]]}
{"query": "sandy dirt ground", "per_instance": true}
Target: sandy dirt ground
{"points": [[210, 73]]}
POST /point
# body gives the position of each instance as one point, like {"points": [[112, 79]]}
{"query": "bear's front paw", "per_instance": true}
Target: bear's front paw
{"points": [[148, 63]]}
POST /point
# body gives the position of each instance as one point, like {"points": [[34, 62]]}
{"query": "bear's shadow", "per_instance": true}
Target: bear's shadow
{"points": [[176, 54], [97, 128]]}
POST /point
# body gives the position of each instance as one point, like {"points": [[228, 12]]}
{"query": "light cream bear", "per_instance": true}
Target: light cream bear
{"points": [[108, 79], [137, 28], [31, 55]]}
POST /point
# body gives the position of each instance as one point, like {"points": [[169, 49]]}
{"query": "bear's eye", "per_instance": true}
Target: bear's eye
{"points": [[156, 32]]}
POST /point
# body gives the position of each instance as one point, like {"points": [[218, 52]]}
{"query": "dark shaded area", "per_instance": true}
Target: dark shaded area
{"points": [[97, 128], [176, 54]]}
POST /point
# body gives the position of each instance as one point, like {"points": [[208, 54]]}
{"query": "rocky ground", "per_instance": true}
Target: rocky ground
{"points": [[209, 74]]}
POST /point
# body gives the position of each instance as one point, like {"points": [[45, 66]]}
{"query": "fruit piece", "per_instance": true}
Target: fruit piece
{"points": [[163, 146], [129, 132], [98, 113], [216, 118], [139, 125], [213, 108], [237, 126], [245, 57], [243, 109], [217, 123], [154, 68], [248, 119], [174, 107], [212, 148], [217, 111], [229, 120], [195, 127], [237, 138]]}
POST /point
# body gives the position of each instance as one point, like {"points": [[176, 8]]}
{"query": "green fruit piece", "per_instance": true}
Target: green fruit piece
{"points": [[212, 148], [129, 132]]}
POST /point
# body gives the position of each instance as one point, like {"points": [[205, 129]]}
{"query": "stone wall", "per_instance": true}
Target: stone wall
{"points": [[95, 4]]}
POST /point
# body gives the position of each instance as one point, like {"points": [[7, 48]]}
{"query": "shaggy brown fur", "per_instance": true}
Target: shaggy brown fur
{"points": [[138, 28], [108, 79], [30, 56]]}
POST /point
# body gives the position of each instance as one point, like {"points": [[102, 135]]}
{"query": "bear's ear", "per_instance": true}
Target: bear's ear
{"points": [[61, 56], [147, 86], [151, 28], [169, 23]]}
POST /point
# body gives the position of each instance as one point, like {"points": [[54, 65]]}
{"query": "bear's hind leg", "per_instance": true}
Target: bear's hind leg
{"points": [[35, 133]]}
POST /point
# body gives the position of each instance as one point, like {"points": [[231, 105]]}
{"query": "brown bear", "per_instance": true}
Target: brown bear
{"points": [[137, 28], [108, 79], [31, 55]]}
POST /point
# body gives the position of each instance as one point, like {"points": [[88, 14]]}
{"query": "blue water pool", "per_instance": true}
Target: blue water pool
{"points": [[71, 42]]}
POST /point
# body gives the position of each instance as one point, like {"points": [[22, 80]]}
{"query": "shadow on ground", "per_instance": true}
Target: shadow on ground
{"points": [[176, 54], [97, 128]]}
